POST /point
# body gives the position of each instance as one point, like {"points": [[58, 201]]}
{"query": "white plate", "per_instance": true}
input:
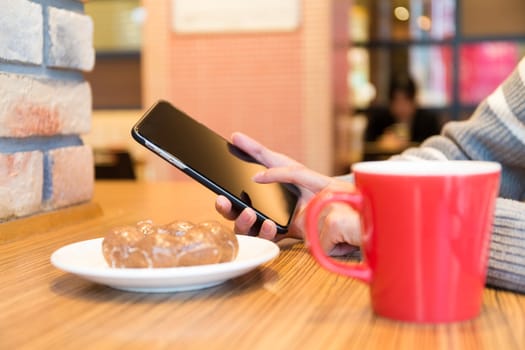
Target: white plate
{"points": [[86, 260]]}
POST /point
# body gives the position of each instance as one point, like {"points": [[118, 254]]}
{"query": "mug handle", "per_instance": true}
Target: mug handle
{"points": [[360, 271]]}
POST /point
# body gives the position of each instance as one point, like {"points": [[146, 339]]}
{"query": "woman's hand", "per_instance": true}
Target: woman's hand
{"points": [[339, 225]]}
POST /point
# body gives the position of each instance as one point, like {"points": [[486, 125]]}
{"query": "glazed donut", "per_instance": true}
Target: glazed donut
{"points": [[179, 243]]}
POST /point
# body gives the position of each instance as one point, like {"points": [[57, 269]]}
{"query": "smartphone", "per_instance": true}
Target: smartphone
{"points": [[214, 162]]}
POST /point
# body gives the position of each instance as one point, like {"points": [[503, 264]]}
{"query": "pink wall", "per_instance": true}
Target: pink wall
{"points": [[276, 87], [249, 83]]}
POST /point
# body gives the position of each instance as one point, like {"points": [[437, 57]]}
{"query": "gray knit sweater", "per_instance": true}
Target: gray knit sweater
{"points": [[495, 132]]}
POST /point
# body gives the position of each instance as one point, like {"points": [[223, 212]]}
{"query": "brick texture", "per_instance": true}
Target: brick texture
{"points": [[45, 105], [71, 176], [242, 82], [30, 106], [275, 86], [248, 82], [21, 32], [21, 180], [71, 37]]}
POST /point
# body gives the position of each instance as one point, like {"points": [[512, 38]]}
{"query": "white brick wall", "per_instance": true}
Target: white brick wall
{"points": [[45, 106], [21, 31], [69, 167], [71, 37], [21, 180], [33, 106]]}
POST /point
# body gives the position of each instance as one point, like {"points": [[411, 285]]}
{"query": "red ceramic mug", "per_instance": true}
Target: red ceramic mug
{"points": [[425, 236]]}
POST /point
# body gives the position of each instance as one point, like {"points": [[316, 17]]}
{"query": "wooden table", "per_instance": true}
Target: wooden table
{"points": [[290, 303]]}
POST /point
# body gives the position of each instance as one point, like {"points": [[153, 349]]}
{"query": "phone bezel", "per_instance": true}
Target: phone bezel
{"points": [[237, 204]]}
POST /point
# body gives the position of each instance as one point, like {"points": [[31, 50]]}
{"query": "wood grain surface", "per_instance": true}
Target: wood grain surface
{"points": [[289, 303]]}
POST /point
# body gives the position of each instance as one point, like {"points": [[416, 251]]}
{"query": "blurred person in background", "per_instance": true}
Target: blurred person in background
{"points": [[403, 122]]}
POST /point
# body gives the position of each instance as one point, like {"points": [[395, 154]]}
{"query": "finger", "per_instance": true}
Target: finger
{"points": [[333, 227], [224, 207], [353, 234], [297, 175], [268, 230], [261, 153], [345, 221], [245, 221], [325, 239]]}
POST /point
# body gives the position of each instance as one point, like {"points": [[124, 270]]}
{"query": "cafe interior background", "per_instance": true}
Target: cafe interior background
{"points": [[300, 76]]}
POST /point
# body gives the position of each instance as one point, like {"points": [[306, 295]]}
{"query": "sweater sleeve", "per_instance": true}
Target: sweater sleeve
{"points": [[507, 248], [495, 132]]}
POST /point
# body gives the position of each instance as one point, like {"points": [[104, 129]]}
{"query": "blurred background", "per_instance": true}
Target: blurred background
{"points": [[301, 76]]}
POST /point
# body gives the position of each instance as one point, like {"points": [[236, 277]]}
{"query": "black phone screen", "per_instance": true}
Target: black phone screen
{"points": [[212, 160]]}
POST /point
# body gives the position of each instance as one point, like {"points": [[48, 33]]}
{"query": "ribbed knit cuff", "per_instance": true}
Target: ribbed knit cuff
{"points": [[507, 250]]}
